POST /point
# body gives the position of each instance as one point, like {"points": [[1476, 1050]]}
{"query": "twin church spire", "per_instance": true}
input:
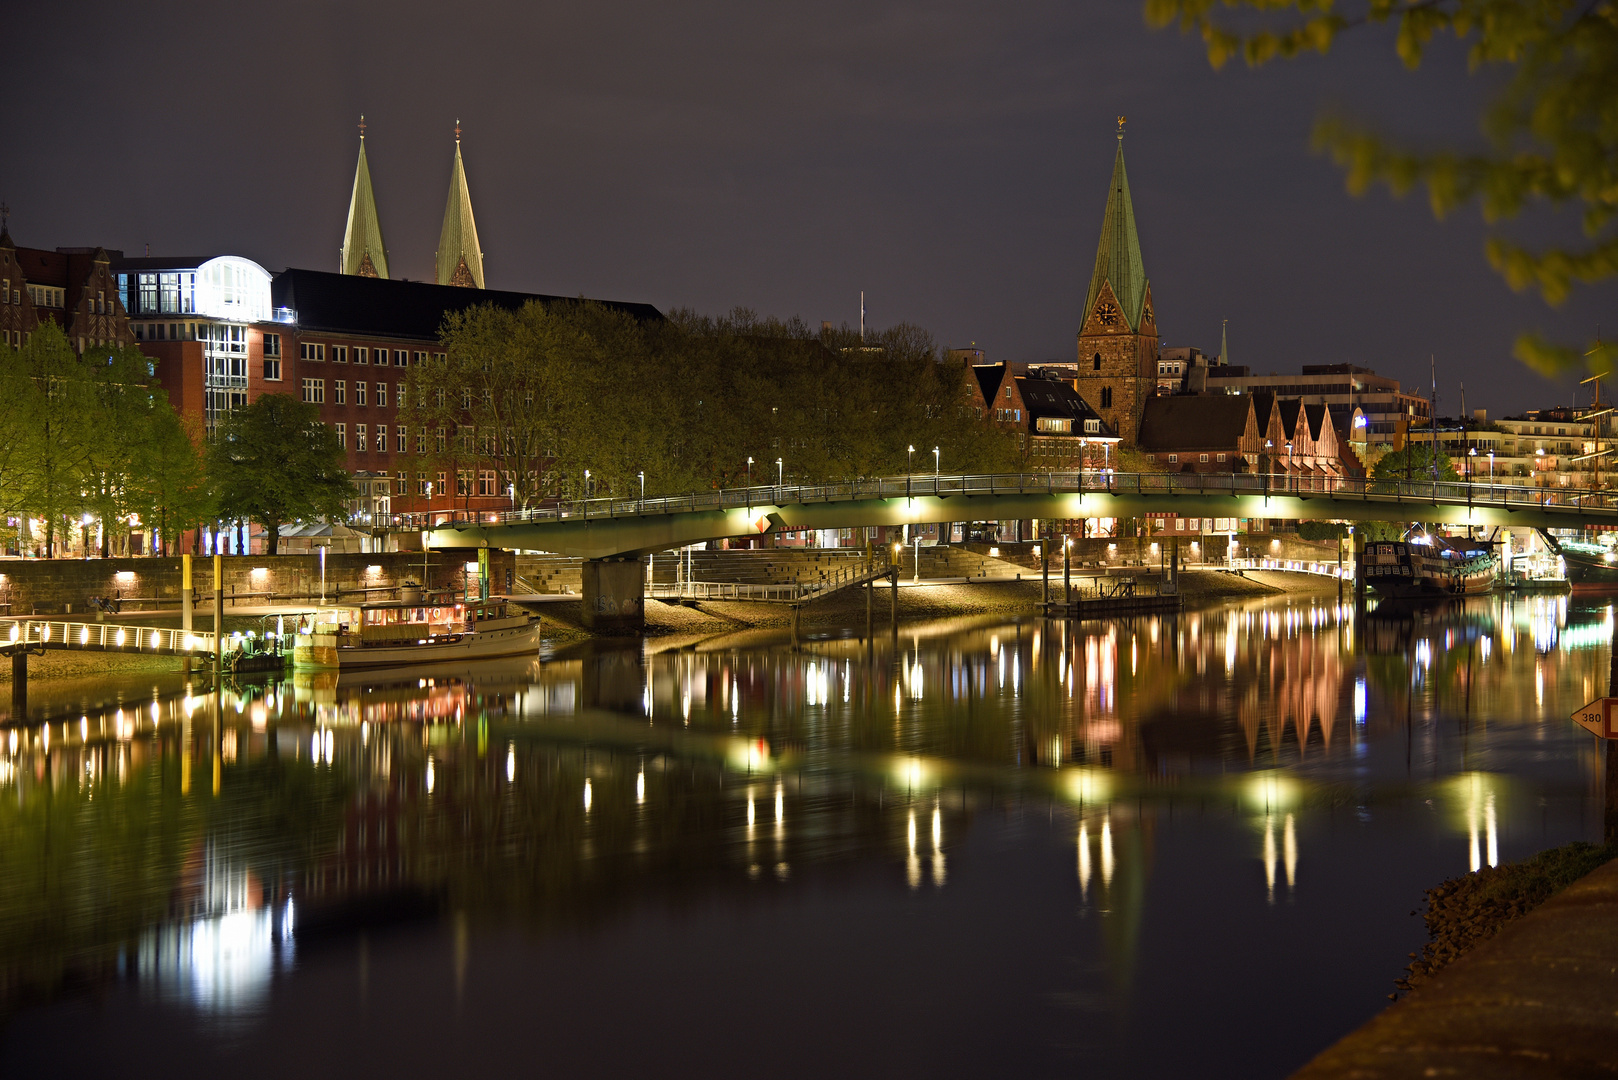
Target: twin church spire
{"points": [[459, 259]]}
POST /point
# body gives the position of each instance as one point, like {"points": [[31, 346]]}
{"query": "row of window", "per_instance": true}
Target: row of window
{"points": [[362, 437], [47, 296], [1174, 459], [314, 390], [362, 354]]}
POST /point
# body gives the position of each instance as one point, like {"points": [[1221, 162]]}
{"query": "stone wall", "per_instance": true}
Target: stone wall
{"points": [[57, 586]]}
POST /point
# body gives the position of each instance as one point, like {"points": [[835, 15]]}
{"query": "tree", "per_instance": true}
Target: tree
{"points": [[171, 489], [1414, 464], [1552, 127], [56, 432], [274, 462]]}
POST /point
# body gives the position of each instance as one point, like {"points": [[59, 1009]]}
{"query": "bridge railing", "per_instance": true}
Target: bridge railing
{"points": [[764, 497], [107, 637]]}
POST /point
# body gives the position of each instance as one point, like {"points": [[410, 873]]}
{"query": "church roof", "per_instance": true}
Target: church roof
{"points": [[362, 240], [460, 259], [1118, 258], [1187, 422]]}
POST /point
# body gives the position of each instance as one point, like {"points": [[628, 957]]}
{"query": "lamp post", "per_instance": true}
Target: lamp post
{"points": [[1472, 465], [910, 454], [1491, 473], [1289, 466], [936, 470], [642, 475], [586, 493], [780, 475]]}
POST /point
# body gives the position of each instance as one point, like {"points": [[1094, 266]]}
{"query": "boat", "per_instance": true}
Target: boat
{"points": [[1423, 567], [1588, 567], [402, 633]]}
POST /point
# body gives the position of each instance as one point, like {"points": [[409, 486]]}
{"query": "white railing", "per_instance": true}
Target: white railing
{"points": [[1297, 566], [787, 591], [106, 637]]}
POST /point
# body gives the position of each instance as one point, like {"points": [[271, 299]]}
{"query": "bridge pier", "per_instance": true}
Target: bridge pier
{"points": [[614, 596]]}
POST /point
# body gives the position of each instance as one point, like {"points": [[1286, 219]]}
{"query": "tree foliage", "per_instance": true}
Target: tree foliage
{"points": [[1552, 128], [539, 395], [1415, 464], [90, 435], [274, 462]]}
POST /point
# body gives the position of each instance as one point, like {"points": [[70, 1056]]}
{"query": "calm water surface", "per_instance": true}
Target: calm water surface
{"points": [[1169, 847]]}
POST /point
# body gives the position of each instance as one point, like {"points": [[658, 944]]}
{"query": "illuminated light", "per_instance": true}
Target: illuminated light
{"points": [[1491, 836], [912, 863], [588, 796], [1272, 791], [84, 635], [120, 638], [780, 804], [373, 569], [15, 630], [1289, 847], [155, 712], [511, 763], [156, 639], [938, 827], [471, 567], [260, 571], [124, 577], [1084, 863], [640, 787], [1106, 851], [328, 741], [365, 725], [1087, 786], [1359, 699], [752, 812], [431, 778]]}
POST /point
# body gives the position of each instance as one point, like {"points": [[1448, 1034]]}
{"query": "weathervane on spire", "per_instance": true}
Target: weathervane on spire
{"points": [[457, 129], [1121, 121], [362, 127]]}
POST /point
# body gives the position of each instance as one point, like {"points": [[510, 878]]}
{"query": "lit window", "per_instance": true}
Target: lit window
{"points": [[359, 438], [314, 391], [362, 356], [342, 435]]}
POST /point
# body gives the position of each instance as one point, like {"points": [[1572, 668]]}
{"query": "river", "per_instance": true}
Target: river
{"points": [[1156, 848]]}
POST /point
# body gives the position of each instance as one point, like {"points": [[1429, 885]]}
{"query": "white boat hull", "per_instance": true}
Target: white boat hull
{"points": [[311, 652]]}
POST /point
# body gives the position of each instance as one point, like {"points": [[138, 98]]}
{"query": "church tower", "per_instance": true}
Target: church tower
{"points": [[1118, 338], [460, 260], [363, 253]]}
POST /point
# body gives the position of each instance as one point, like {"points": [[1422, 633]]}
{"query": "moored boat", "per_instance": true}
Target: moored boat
{"points": [[402, 633], [1429, 567]]}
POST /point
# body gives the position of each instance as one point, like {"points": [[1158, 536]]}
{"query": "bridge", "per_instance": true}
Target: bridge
{"points": [[611, 535], [35, 637]]}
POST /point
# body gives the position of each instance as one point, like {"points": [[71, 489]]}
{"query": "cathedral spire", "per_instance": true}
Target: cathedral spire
{"points": [[363, 252], [1118, 260], [460, 260]]}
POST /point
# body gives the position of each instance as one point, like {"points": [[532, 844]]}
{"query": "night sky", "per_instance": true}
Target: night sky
{"points": [[950, 159]]}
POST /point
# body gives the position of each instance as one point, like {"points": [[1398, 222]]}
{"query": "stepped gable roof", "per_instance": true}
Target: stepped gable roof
{"points": [[989, 377], [1289, 408], [363, 251], [1052, 398], [1263, 406], [1118, 259], [378, 307], [459, 260], [1175, 422]]}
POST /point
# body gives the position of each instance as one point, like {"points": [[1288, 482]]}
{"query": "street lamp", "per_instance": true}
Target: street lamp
{"points": [[1472, 466], [642, 475], [910, 453], [749, 471], [1491, 473], [936, 460], [1289, 466], [780, 474], [586, 493]]}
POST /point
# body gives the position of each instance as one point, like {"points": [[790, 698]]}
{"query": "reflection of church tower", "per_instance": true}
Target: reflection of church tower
{"points": [[460, 260], [1118, 340], [363, 253]]}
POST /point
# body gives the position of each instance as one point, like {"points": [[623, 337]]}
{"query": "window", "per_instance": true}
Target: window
{"points": [[314, 391], [443, 440], [421, 358], [421, 484], [443, 484], [1173, 458], [1106, 397], [398, 395], [403, 439], [400, 358], [359, 438], [381, 395], [272, 369], [440, 357], [1008, 391], [488, 482], [342, 435], [1221, 457], [466, 397], [464, 433], [1097, 363], [362, 355], [359, 392], [310, 351], [272, 344], [337, 391], [421, 440], [1092, 427], [339, 354], [463, 481], [1204, 457]]}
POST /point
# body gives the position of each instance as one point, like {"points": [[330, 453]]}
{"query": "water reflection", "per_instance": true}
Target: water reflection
{"points": [[189, 840]]}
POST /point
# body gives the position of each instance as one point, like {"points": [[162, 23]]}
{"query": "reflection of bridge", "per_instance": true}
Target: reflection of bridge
{"points": [[37, 636], [620, 530]]}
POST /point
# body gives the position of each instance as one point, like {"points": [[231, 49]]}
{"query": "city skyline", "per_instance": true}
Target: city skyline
{"points": [[793, 163]]}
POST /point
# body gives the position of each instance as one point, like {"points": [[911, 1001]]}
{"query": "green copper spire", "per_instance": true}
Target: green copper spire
{"points": [[1118, 258], [363, 252], [460, 260]]}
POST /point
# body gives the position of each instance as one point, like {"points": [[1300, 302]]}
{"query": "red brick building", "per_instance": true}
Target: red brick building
{"points": [[72, 287]]}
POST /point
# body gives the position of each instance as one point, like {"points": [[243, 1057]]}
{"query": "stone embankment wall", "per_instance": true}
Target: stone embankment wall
{"points": [[61, 586], [1211, 548]]}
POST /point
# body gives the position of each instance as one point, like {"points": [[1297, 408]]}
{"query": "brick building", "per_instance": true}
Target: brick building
{"points": [[1056, 428], [72, 287]]}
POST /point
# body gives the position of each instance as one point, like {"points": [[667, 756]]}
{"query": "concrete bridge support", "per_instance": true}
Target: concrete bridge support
{"points": [[614, 595], [19, 685]]}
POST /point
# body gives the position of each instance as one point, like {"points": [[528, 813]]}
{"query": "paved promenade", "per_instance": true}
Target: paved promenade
{"points": [[1539, 1000]]}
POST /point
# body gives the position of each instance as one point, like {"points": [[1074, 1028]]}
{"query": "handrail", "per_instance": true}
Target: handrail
{"points": [[764, 497], [106, 637]]}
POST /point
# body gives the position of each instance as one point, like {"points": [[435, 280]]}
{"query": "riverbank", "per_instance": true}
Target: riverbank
{"points": [[1519, 981]]}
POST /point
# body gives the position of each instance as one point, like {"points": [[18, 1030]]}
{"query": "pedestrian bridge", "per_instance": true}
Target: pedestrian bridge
{"points": [[627, 528], [38, 635]]}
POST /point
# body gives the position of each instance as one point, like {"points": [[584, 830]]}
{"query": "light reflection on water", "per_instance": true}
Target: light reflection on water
{"points": [[1272, 776]]}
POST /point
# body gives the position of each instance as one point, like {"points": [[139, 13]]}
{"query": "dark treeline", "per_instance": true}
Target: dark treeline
{"points": [[530, 399]]}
